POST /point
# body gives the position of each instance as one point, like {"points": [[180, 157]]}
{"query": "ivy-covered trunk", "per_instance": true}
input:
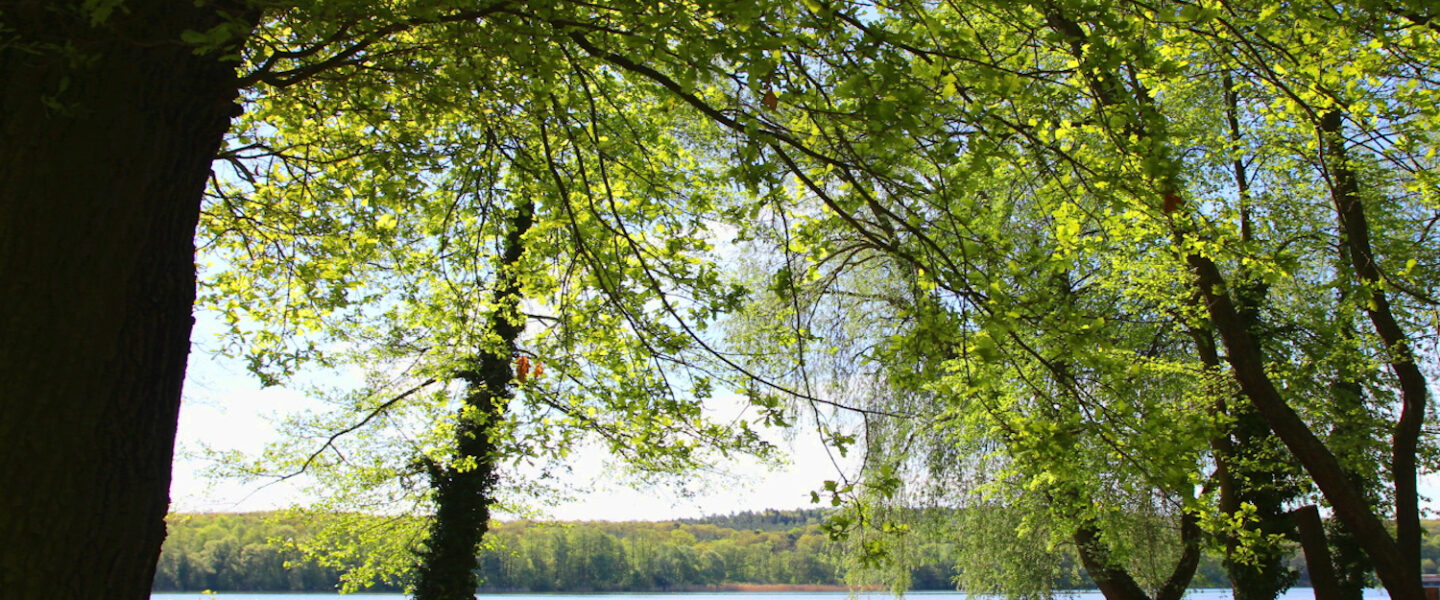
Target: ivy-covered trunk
{"points": [[464, 488], [108, 124], [1253, 468], [463, 495]]}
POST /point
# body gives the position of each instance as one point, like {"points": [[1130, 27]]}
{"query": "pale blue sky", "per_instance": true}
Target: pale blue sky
{"points": [[225, 409]]}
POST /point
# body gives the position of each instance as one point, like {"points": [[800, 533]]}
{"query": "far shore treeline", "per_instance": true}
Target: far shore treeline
{"points": [[248, 552]]}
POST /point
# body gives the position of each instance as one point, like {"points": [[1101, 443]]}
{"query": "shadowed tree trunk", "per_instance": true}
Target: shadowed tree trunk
{"points": [[1115, 582], [106, 137], [1252, 466], [1311, 532]]}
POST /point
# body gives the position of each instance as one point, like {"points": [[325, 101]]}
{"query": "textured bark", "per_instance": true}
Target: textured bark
{"points": [[106, 138], [462, 514], [463, 497]]}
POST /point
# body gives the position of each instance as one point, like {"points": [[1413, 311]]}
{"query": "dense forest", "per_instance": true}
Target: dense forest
{"points": [[249, 552], [252, 552]]}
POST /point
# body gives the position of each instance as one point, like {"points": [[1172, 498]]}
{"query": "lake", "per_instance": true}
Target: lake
{"points": [[1294, 594]]}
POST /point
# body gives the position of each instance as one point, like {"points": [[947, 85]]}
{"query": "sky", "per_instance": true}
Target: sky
{"points": [[224, 408]]}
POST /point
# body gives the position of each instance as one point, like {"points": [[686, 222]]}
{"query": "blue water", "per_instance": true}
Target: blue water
{"points": [[1294, 594]]}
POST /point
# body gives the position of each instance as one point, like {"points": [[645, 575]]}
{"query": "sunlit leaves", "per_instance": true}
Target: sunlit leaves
{"points": [[1032, 176], [358, 221]]}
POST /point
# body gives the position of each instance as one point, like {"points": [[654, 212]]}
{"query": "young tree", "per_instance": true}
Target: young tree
{"points": [[527, 222]]}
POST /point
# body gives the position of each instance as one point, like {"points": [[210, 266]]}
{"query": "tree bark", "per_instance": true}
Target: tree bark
{"points": [[106, 136], [1355, 238]]}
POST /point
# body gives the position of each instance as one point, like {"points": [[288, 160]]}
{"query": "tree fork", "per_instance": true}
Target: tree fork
{"points": [[1355, 236], [1349, 504], [1401, 578], [1115, 581]]}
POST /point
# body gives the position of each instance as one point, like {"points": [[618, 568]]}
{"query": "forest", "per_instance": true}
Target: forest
{"points": [[248, 552], [1063, 285], [255, 552]]}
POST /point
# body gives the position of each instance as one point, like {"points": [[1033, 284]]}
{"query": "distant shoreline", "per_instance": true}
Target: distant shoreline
{"points": [[785, 587], [728, 587]]}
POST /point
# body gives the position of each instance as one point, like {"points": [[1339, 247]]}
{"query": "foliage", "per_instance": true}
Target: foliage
{"points": [[239, 552], [231, 553], [359, 226], [1029, 225], [255, 552], [1033, 250]]}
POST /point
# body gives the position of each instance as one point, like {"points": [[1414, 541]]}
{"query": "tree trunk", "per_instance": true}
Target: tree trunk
{"points": [[1114, 580], [106, 138], [1355, 238], [1350, 504], [1317, 553], [463, 498], [464, 495]]}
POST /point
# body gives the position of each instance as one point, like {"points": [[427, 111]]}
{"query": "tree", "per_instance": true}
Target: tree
{"points": [[165, 79], [109, 122], [442, 202], [919, 133], [1053, 184]]}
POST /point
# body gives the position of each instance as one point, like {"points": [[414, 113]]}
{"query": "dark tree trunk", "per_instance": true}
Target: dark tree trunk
{"points": [[1258, 474], [1317, 553], [1395, 559], [1251, 465], [1254, 469], [463, 496], [1349, 435], [1246, 475], [106, 138], [1115, 581], [1348, 500], [1355, 238]]}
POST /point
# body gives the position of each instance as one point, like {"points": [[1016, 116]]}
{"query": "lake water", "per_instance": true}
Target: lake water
{"points": [[1294, 594]]}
